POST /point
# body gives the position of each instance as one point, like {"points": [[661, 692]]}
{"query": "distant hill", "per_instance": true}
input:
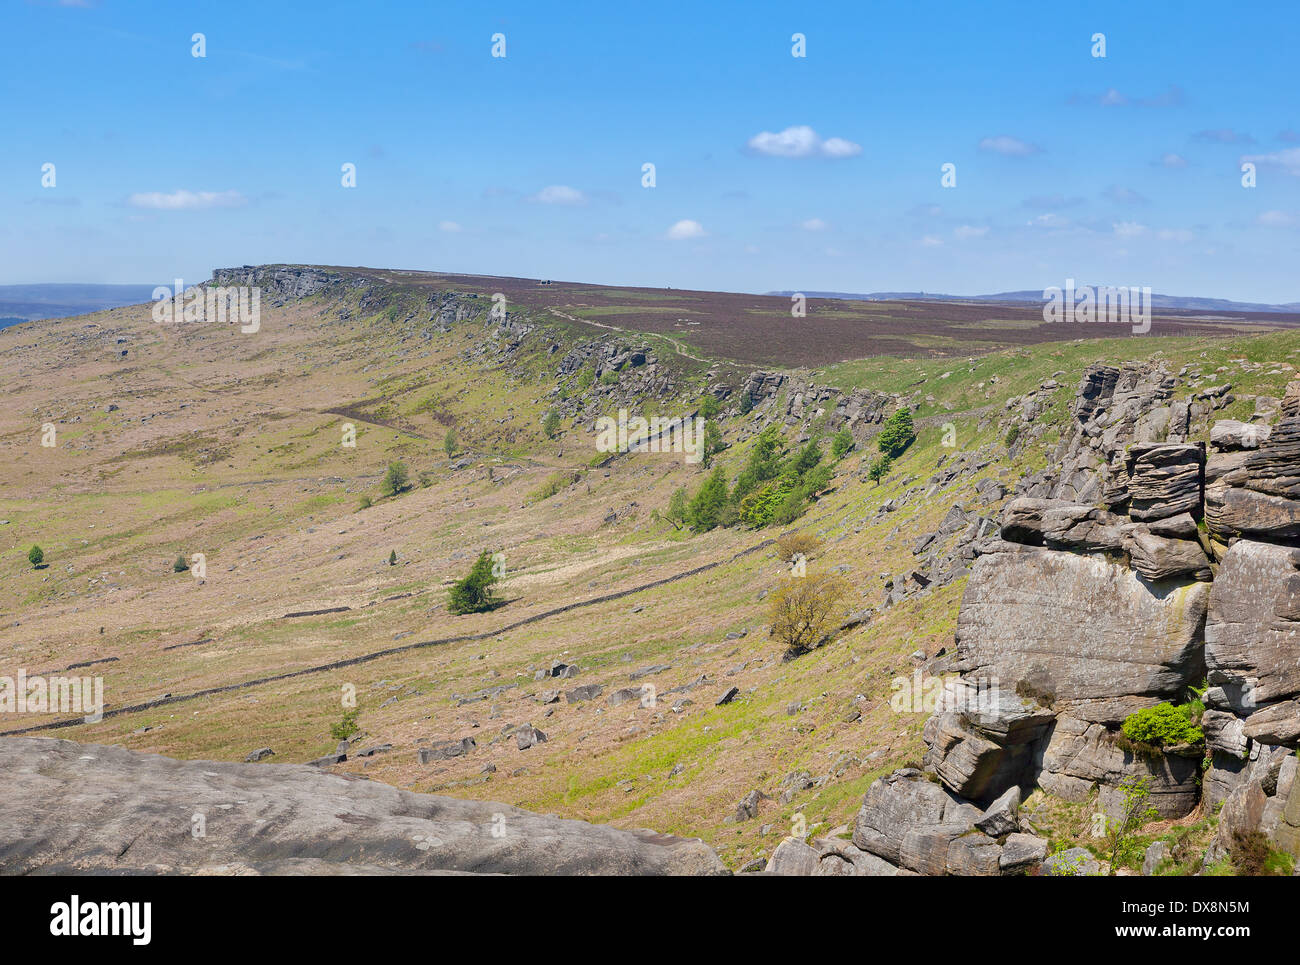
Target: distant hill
{"points": [[1162, 302], [23, 303]]}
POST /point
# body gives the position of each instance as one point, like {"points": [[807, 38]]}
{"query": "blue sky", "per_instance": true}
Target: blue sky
{"points": [[773, 172]]}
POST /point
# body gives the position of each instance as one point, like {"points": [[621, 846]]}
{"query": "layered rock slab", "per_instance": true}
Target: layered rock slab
{"points": [[1097, 638], [70, 808]]}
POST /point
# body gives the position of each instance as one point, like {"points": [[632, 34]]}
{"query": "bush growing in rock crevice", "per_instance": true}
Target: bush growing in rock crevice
{"points": [[1164, 725]]}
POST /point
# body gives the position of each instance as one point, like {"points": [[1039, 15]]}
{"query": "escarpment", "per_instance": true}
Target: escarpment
{"points": [[1140, 565]]}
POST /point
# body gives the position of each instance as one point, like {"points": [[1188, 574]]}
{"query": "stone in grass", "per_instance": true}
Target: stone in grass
{"points": [[261, 754], [585, 692], [528, 736], [728, 697], [747, 809], [445, 750]]}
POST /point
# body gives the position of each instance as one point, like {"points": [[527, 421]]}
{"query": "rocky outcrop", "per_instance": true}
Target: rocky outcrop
{"points": [[795, 402], [1079, 615], [1094, 634], [281, 284], [69, 808]]}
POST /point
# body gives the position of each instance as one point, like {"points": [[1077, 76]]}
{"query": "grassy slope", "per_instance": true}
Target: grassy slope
{"points": [[251, 473]]}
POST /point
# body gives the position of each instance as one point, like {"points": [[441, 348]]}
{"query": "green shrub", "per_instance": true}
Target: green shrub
{"points": [[676, 512], [36, 556], [760, 507], [449, 444], [841, 443], [473, 594], [346, 727], [879, 468], [551, 424], [395, 479], [709, 406], [180, 566], [1012, 435], [897, 433], [363, 502], [704, 511], [1163, 725]]}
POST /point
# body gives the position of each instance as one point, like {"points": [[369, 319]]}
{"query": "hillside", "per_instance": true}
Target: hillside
{"points": [[182, 439]]}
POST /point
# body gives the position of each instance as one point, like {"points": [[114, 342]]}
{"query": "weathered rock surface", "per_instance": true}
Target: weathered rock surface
{"points": [[1103, 640], [1080, 756], [68, 808], [1252, 634]]}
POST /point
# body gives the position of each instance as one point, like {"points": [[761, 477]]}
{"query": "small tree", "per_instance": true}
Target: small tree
{"points": [[1134, 812], [363, 502], [180, 566], [897, 433], [676, 512], [346, 727], [36, 556], [473, 594], [879, 469], [449, 444], [746, 403], [551, 424], [806, 610], [709, 406], [704, 512], [392, 558], [841, 443], [395, 479], [795, 543]]}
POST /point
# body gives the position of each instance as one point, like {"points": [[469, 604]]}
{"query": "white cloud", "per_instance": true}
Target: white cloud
{"points": [[685, 230], [1172, 160], [560, 194], [1009, 146], [969, 231], [814, 224], [930, 241], [1049, 219], [802, 141], [1129, 229], [449, 226], [183, 200], [1175, 234], [1276, 219], [1288, 160]]}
